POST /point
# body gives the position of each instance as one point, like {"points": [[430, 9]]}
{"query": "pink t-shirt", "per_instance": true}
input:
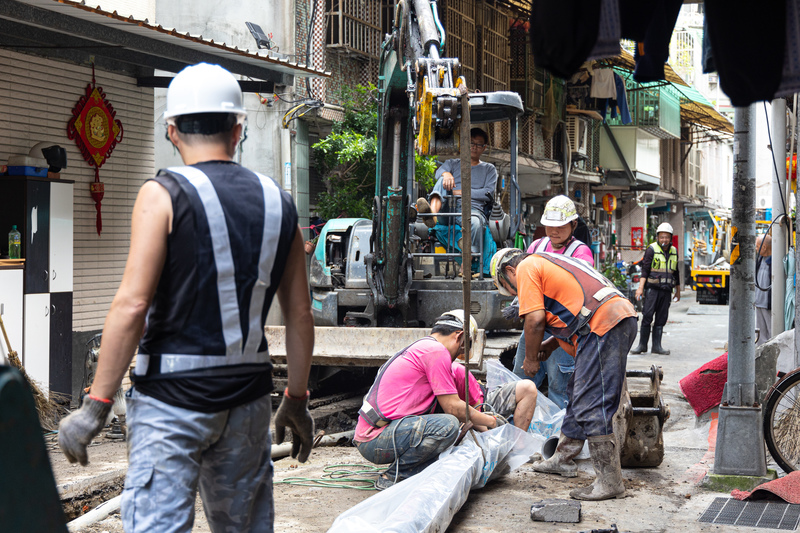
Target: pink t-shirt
{"points": [[582, 252], [410, 384], [475, 392]]}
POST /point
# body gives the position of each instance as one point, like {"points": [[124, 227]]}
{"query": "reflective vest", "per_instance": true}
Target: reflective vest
{"points": [[596, 288], [216, 332], [570, 251], [370, 411], [662, 268]]}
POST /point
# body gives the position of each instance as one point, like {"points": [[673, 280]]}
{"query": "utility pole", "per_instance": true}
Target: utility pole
{"points": [[780, 203], [740, 436]]}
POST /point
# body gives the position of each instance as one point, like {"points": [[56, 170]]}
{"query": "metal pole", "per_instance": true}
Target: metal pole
{"points": [[466, 232], [740, 437], [778, 127]]}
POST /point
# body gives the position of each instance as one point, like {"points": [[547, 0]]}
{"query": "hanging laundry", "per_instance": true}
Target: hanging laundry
{"points": [[563, 32], [621, 102], [790, 82], [652, 51], [603, 84], [748, 52], [608, 33]]}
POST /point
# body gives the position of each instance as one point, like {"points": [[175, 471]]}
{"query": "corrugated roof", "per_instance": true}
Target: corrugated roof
{"points": [[695, 108], [250, 61]]}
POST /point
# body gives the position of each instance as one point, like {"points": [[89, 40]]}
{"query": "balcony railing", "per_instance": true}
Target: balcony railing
{"points": [[353, 26]]}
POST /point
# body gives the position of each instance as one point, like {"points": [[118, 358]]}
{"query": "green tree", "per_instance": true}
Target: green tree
{"points": [[348, 157]]}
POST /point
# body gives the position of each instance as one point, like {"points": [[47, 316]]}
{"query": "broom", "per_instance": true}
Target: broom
{"points": [[48, 411]]}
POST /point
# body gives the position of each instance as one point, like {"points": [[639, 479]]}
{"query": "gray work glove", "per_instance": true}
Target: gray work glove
{"points": [[511, 311], [294, 414], [501, 420], [77, 430]]}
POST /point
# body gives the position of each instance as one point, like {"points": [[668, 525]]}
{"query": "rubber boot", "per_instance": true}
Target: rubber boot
{"points": [[562, 461], [644, 336], [608, 473], [657, 332]]}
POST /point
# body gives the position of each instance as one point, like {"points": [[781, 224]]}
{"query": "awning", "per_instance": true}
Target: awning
{"points": [[72, 31]]}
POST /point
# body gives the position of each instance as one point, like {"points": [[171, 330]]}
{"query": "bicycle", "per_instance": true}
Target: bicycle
{"points": [[782, 421]]}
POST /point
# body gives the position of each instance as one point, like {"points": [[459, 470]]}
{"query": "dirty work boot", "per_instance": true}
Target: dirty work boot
{"points": [[424, 207], [657, 332], [644, 336], [562, 461], [608, 474]]}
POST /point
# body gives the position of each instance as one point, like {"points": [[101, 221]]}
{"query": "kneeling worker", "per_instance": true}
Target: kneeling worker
{"points": [[593, 322], [517, 398], [399, 421]]}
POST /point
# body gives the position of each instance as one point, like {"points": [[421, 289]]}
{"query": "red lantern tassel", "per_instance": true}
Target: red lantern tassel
{"points": [[98, 190]]}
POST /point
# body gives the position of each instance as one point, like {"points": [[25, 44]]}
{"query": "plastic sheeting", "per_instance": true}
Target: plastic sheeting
{"points": [[429, 500]]}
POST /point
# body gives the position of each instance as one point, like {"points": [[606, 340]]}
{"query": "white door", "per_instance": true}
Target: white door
{"points": [[60, 237], [37, 339], [11, 311]]}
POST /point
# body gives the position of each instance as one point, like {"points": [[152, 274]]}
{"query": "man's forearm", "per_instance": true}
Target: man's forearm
{"points": [[299, 347], [121, 334], [534, 333]]}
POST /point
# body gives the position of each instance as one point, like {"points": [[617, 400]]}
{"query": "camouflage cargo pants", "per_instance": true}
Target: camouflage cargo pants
{"points": [[172, 452]]}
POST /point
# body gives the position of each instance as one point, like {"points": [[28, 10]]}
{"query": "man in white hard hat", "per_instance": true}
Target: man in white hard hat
{"points": [[211, 244], [412, 412], [661, 277], [560, 218]]}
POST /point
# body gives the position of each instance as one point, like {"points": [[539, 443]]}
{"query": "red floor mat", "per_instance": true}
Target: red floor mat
{"points": [[703, 387], [786, 488]]}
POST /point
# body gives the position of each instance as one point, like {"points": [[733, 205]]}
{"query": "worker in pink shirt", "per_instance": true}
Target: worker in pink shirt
{"points": [[412, 412], [560, 219]]}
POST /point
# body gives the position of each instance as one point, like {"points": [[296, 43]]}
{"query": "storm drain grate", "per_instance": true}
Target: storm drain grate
{"points": [[770, 515]]}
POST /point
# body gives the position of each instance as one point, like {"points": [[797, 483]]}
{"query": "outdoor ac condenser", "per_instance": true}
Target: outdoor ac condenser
{"points": [[578, 132]]}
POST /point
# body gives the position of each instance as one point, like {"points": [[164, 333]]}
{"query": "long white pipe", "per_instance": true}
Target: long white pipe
{"points": [[101, 512], [334, 439]]}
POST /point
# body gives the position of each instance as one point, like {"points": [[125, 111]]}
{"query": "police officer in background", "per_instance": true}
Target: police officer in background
{"points": [[211, 244], [660, 272]]}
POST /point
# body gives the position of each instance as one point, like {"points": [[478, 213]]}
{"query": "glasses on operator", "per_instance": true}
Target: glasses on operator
{"points": [[476, 145]]}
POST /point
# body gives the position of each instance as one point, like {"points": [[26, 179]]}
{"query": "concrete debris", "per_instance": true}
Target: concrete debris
{"points": [[555, 510]]}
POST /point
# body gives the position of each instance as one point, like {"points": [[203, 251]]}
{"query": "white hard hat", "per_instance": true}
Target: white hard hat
{"points": [[664, 227], [560, 210], [204, 88], [497, 267], [455, 318]]}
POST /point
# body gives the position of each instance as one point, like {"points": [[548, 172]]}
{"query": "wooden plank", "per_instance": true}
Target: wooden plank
{"points": [[343, 346]]}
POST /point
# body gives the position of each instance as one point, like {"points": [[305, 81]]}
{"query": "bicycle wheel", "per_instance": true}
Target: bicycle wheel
{"points": [[782, 421]]}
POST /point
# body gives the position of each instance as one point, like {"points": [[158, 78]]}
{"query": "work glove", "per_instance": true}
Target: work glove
{"points": [[501, 420], [77, 430], [293, 413], [511, 311]]}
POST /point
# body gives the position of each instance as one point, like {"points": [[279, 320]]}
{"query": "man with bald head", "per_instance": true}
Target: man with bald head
{"points": [[763, 288]]}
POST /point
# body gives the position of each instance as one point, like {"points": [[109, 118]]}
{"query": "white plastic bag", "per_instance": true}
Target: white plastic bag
{"points": [[547, 417]]}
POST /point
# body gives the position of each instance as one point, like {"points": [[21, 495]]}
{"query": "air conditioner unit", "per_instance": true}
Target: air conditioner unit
{"points": [[578, 132], [701, 190]]}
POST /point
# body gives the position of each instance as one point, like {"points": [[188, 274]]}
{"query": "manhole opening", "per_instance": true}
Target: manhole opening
{"points": [[763, 514]]}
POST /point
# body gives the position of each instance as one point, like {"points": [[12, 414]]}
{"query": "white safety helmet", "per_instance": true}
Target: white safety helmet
{"points": [[664, 227], [204, 88], [455, 318], [560, 210], [497, 267]]}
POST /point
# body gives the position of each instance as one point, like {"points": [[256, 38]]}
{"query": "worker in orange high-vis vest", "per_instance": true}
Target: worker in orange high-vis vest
{"points": [[594, 323]]}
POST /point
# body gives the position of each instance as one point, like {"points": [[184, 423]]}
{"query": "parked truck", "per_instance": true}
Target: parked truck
{"points": [[710, 270]]}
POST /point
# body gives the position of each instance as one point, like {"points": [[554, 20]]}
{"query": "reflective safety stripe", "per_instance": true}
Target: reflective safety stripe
{"points": [[542, 246], [269, 245], [223, 259], [182, 363], [573, 247]]}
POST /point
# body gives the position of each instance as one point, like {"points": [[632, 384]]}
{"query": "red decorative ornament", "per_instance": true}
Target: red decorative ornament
{"points": [[96, 131]]}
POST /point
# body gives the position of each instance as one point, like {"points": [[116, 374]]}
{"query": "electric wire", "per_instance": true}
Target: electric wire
{"points": [[338, 476]]}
